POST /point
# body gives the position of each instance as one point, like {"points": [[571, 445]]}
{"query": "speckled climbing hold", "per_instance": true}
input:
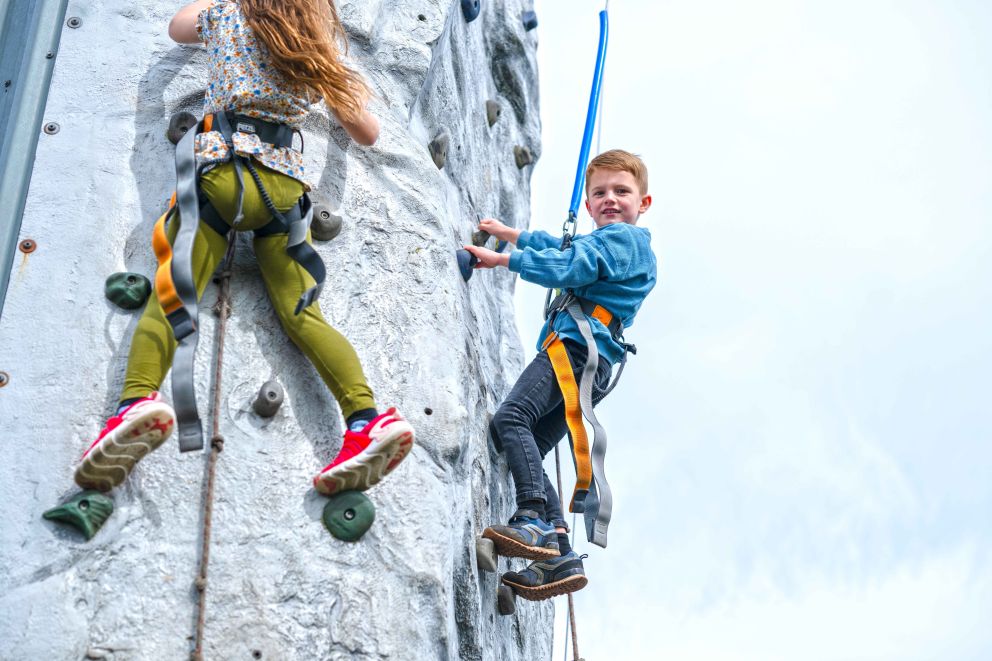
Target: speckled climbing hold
{"points": [[493, 111], [471, 9], [269, 399], [348, 515], [439, 149], [326, 224], [86, 512], [530, 20], [179, 124], [127, 290], [522, 156]]}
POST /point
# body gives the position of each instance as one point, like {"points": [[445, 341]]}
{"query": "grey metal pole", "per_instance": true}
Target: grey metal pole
{"points": [[29, 39]]}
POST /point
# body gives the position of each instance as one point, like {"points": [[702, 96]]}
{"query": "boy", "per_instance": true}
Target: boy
{"points": [[612, 267]]}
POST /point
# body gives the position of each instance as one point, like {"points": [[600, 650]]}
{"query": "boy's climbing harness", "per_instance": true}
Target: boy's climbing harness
{"points": [[592, 496], [174, 282]]}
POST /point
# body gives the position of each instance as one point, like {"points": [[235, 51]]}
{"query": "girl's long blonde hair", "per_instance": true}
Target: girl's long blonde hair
{"points": [[304, 39]]}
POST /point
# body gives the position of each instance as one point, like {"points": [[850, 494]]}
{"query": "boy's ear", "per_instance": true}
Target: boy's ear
{"points": [[588, 208], [645, 204]]}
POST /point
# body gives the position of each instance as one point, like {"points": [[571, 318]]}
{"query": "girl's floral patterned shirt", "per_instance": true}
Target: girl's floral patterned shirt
{"points": [[242, 79]]}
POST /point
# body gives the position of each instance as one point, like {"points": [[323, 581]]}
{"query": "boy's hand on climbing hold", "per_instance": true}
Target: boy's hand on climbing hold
{"points": [[499, 230], [488, 258]]}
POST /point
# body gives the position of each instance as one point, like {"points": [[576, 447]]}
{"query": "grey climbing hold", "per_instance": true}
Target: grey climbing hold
{"points": [[505, 600], [86, 512], [493, 111], [179, 124], [326, 224], [522, 156], [439, 149], [471, 9], [127, 290], [530, 20], [269, 399], [485, 554]]}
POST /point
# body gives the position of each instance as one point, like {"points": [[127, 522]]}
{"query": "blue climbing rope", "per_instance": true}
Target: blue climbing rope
{"points": [[597, 84]]}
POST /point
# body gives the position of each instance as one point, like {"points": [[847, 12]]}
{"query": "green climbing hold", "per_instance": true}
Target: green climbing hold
{"points": [[348, 515], [87, 512], [128, 290]]}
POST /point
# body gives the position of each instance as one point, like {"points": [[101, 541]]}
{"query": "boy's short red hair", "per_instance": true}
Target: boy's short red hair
{"points": [[624, 161]]}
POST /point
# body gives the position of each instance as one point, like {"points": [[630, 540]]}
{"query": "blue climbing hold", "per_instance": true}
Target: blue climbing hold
{"points": [[466, 262], [530, 20], [471, 9]]}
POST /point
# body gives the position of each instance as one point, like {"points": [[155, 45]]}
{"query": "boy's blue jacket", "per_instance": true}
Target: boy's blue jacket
{"points": [[613, 267]]}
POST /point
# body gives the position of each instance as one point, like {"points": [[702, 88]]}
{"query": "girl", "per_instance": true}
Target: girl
{"points": [[269, 61]]}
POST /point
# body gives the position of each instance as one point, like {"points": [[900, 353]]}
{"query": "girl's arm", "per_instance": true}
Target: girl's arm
{"points": [[182, 28], [364, 130]]}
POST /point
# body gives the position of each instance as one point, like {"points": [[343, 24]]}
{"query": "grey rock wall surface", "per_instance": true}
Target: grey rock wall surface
{"points": [[442, 350]]}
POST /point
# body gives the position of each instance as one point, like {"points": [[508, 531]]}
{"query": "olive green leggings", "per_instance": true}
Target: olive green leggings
{"points": [[153, 344]]}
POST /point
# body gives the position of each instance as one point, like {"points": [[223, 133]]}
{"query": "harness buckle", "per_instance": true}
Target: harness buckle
{"points": [[183, 325]]}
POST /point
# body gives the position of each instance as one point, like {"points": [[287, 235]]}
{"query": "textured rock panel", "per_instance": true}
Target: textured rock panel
{"points": [[443, 350]]}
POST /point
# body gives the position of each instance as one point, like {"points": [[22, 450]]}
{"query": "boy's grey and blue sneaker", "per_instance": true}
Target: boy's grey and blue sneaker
{"points": [[525, 536], [544, 579]]}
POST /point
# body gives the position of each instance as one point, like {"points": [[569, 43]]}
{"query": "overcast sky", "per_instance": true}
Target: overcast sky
{"points": [[799, 453]]}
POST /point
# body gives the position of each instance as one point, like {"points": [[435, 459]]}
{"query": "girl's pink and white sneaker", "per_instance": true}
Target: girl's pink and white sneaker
{"points": [[126, 438], [367, 456]]}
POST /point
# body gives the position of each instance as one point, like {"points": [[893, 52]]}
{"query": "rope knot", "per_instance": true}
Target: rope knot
{"points": [[217, 442]]}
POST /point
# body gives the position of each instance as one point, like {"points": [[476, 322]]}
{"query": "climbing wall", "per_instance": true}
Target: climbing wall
{"points": [[444, 351]]}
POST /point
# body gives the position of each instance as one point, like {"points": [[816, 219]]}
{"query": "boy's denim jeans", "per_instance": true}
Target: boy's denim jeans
{"points": [[531, 421]]}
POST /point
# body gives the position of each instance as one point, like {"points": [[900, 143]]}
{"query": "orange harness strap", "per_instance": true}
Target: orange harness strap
{"points": [[165, 288], [558, 355]]}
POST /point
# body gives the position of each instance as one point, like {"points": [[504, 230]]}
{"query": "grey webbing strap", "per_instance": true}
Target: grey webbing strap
{"points": [[225, 130], [597, 507], [295, 223], [188, 205], [298, 248]]}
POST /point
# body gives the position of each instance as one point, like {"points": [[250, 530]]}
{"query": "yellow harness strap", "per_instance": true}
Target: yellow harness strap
{"points": [[573, 410]]}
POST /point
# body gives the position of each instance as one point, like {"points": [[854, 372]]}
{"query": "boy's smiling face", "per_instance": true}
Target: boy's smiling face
{"points": [[613, 196]]}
